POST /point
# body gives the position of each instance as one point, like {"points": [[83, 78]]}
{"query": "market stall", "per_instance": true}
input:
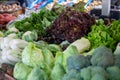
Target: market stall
{"points": [[60, 41]]}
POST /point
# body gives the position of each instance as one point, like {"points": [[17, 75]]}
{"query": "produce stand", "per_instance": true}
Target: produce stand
{"points": [[76, 40]]}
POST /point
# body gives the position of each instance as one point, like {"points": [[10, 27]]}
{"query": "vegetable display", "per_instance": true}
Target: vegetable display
{"points": [[103, 63], [69, 46]]}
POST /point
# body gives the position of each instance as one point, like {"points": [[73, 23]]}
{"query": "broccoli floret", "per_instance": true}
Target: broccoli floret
{"points": [[99, 70], [77, 62], [72, 75], [102, 56], [117, 60], [86, 73], [114, 73], [90, 72], [98, 77]]}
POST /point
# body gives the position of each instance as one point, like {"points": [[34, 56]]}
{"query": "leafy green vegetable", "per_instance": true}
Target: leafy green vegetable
{"points": [[59, 58], [40, 44], [70, 25], [37, 22], [54, 48], [32, 56], [57, 72], [100, 36], [37, 74], [47, 69], [48, 57], [21, 71], [105, 35], [30, 36], [114, 30]]}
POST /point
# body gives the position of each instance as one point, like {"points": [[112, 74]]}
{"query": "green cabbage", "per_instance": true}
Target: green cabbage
{"points": [[48, 56], [59, 58], [54, 48], [32, 56], [57, 72], [37, 74], [21, 71], [30, 36]]}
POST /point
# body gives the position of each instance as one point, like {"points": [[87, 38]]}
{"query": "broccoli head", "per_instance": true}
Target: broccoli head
{"points": [[102, 56], [77, 62], [114, 73], [99, 70], [86, 73], [98, 77], [92, 72], [72, 75]]}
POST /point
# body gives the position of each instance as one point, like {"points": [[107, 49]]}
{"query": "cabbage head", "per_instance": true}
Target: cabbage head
{"points": [[37, 74], [32, 56], [21, 71]]}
